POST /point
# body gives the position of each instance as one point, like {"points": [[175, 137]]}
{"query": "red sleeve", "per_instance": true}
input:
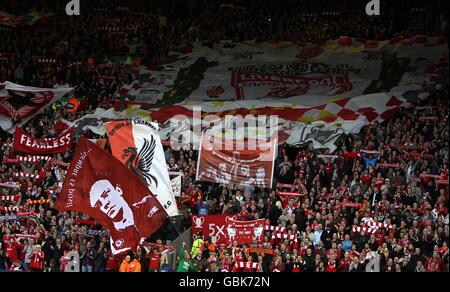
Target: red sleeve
{"points": [[350, 155]]}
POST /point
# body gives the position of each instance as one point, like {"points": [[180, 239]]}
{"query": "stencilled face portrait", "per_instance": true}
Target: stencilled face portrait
{"points": [[245, 171], [260, 176], [109, 200]]}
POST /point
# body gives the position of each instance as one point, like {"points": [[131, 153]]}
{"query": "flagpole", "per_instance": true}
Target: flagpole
{"points": [[179, 234], [182, 239]]}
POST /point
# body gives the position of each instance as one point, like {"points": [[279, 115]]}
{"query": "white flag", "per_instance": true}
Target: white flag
{"points": [[176, 186], [137, 144]]}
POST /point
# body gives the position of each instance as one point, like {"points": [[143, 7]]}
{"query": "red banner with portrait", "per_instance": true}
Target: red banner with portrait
{"points": [[224, 229], [246, 232], [236, 162], [102, 187]]}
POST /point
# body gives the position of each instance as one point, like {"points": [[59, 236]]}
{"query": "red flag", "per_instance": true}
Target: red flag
{"points": [[246, 232], [100, 186], [213, 226]]}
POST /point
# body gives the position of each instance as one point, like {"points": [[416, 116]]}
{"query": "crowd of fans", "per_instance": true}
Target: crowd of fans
{"points": [[96, 53]]}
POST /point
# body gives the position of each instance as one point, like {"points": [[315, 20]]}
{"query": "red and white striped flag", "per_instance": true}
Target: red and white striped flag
{"points": [[27, 175], [379, 225], [365, 229], [247, 265], [9, 209], [9, 198], [284, 236], [33, 158], [276, 228]]}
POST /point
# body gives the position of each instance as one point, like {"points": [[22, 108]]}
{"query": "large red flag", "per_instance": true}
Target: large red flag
{"points": [[99, 185]]}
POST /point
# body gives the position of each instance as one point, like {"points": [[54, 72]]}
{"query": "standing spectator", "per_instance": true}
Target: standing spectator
{"points": [[317, 235], [203, 208], [4, 261], [112, 264], [88, 258], [185, 263], [28, 250], [155, 261], [13, 247], [130, 265], [37, 259], [102, 256]]}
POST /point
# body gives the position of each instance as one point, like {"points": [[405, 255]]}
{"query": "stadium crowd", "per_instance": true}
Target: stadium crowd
{"points": [[96, 53]]}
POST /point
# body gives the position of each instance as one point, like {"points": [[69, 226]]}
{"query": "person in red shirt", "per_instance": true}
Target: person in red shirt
{"points": [[112, 263], [434, 263], [195, 196], [16, 266], [344, 264], [331, 266], [13, 249], [37, 259], [297, 265], [227, 262], [244, 215], [366, 179], [277, 265], [155, 260], [443, 251]]}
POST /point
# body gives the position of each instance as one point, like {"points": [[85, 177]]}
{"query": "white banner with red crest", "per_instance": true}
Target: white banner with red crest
{"points": [[18, 103]]}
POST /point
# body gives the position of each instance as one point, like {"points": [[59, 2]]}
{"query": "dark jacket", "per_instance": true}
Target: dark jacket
{"points": [[274, 214], [310, 263], [88, 257]]}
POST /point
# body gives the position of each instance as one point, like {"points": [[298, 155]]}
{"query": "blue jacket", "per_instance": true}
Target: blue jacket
{"points": [[202, 211], [367, 162]]}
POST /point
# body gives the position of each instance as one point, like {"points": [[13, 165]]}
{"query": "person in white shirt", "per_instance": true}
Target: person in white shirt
{"points": [[317, 235]]}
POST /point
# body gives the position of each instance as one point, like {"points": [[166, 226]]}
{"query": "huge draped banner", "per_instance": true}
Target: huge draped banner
{"points": [[136, 144], [305, 74], [18, 104], [337, 82], [100, 186], [23, 142]]}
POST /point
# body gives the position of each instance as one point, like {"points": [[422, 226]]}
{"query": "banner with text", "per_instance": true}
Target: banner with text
{"points": [[23, 142]]}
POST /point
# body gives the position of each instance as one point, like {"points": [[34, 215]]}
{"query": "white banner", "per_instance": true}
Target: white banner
{"points": [[95, 121], [176, 186], [322, 135], [137, 144], [18, 104]]}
